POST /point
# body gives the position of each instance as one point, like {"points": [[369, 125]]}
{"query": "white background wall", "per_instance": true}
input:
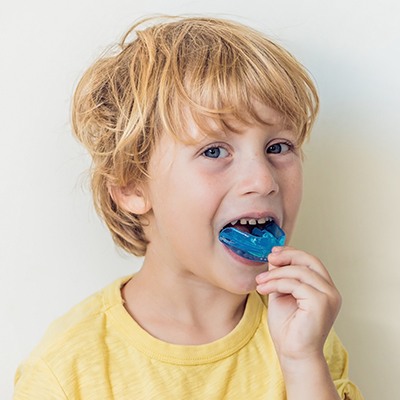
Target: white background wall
{"points": [[54, 251]]}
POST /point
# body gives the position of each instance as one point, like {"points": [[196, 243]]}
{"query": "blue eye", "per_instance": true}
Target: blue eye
{"points": [[279, 148], [216, 152]]}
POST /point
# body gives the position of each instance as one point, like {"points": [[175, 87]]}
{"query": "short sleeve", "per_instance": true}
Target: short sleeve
{"points": [[338, 362], [35, 381]]}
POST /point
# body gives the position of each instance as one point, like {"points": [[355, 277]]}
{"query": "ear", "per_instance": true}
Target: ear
{"points": [[132, 199]]}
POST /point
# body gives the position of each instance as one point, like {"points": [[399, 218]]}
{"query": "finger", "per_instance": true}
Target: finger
{"points": [[300, 273], [305, 295], [283, 256], [294, 287]]}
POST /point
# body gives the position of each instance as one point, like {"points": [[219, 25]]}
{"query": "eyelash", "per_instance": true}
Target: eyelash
{"points": [[220, 147], [289, 144], [215, 147]]}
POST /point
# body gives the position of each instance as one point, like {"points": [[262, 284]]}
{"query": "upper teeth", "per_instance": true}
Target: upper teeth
{"points": [[251, 221]]}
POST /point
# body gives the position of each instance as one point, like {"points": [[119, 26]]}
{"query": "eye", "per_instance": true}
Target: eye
{"points": [[216, 152], [279, 148]]}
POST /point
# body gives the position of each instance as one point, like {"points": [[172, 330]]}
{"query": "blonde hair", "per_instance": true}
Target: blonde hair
{"points": [[213, 67]]}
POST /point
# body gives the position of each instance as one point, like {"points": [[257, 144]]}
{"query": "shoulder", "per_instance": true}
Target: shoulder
{"points": [[80, 334], [338, 361], [83, 325], [336, 355]]}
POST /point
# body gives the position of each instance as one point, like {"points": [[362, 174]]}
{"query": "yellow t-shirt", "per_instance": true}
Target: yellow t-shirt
{"points": [[98, 352]]}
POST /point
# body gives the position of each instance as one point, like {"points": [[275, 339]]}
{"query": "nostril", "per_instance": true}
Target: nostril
{"points": [[259, 179]]}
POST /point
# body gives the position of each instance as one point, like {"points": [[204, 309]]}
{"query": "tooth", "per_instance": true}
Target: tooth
{"points": [[252, 221]]}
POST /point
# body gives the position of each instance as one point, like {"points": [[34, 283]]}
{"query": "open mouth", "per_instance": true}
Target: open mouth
{"points": [[252, 238], [248, 224]]}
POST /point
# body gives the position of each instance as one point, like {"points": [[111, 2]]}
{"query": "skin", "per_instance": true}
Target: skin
{"points": [[193, 192]]}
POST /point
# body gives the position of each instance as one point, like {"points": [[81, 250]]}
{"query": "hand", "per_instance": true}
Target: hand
{"points": [[303, 303]]}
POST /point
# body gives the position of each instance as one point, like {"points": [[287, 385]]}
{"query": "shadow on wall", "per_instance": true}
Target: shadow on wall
{"points": [[374, 353], [349, 219]]}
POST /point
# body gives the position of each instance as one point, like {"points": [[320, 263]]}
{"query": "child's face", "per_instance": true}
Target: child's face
{"points": [[196, 190]]}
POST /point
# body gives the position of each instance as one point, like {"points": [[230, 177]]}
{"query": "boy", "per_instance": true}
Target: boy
{"points": [[194, 126]]}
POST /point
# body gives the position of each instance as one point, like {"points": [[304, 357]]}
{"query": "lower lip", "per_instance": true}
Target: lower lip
{"points": [[243, 260]]}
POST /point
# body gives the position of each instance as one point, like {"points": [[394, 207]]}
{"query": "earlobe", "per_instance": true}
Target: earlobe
{"points": [[131, 199]]}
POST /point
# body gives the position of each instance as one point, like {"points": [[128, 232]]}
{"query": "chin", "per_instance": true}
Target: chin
{"points": [[243, 287]]}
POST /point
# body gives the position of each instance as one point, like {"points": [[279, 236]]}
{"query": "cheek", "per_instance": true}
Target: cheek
{"points": [[179, 195], [296, 184], [292, 197], [199, 185], [297, 191]]}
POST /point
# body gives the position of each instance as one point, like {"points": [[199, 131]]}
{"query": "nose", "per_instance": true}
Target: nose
{"points": [[257, 176]]}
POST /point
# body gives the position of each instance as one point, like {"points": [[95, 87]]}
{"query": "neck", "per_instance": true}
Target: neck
{"points": [[180, 308]]}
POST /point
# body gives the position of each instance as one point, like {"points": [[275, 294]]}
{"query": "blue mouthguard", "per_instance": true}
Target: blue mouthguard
{"points": [[255, 245]]}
